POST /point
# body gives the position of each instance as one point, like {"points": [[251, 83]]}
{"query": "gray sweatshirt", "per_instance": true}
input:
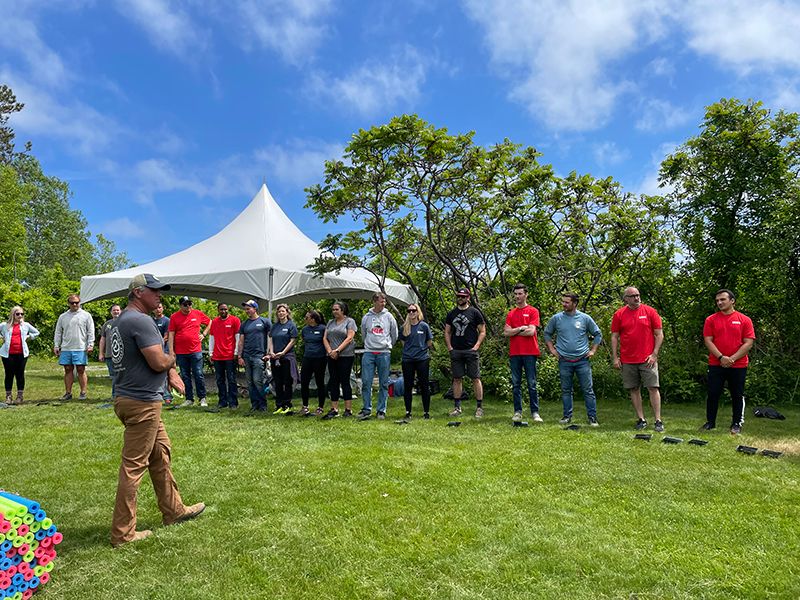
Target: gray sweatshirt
{"points": [[74, 331], [379, 331]]}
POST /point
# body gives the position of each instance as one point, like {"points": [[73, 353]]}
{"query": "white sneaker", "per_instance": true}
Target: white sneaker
{"points": [[187, 403], [517, 416], [535, 416], [203, 403]]}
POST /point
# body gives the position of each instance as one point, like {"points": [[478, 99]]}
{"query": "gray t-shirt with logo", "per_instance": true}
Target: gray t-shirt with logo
{"points": [[337, 333], [133, 377]]}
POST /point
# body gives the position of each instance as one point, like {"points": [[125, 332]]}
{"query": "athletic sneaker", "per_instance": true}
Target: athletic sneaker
{"points": [[640, 424], [659, 427], [363, 412], [517, 416], [187, 403], [455, 412], [288, 410], [408, 416], [281, 410], [736, 429], [203, 403], [593, 422], [426, 416], [82, 396], [332, 414], [319, 411], [364, 416], [381, 415], [304, 412], [708, 426], [479, 413], [67, 396], [535, 416], [565, 420], [347, 413]]}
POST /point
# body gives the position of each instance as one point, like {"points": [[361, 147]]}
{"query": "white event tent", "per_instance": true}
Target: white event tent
{"points": [[261, 254]]}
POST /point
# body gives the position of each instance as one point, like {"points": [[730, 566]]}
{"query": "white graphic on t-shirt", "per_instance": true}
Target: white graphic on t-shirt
{"points": [[117, 349], [460, 323]]}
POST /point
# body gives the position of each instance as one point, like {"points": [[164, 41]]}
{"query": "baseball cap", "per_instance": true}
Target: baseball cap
{"points": [[252, 303], [462, 292], [147, 280], [185, 300]]}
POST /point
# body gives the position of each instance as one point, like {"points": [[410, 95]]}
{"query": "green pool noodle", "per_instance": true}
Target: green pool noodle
{"points": [[34, 545], [36, 526], [49, 566], [28, 556], [12, 509], [46, 523], [38, 570], [28, 519], [16, 522], [29, 538]]}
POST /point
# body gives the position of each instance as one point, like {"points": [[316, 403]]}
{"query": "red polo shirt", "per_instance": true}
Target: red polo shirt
{"points": [[523, 345], [224, 332], [636, 329], [187, 331], [728, 332]]}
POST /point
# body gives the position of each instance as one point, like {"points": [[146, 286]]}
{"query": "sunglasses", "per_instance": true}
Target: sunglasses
{"points": [[19, 314], [72, 303], [410, 310]]}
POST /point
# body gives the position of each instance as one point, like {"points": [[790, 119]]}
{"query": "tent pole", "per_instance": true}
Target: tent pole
{"points": [[269, 288]]}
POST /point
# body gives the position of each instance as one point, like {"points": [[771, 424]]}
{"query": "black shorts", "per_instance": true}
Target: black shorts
{"points": [[465, 362]]}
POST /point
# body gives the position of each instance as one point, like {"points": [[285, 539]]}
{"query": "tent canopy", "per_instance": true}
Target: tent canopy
{"points": [[261, 254]]}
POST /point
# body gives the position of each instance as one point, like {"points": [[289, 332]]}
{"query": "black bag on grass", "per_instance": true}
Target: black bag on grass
{"points": [[767, 412]]}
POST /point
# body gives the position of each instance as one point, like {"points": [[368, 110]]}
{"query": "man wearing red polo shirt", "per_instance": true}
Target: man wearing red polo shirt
{"points": [[222, 346], [728, 335], [186, 342], [638, 327], [520, 329]]}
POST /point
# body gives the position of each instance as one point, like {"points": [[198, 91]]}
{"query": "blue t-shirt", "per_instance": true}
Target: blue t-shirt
{"points": [[415, 345], [281, 334], [312, 341], [255, 332], [573, 334]]}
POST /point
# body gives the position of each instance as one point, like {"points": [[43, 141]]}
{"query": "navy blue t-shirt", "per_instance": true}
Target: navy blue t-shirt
{"points": [[312, 341], [255, 332], [415, 346], [281, 334]]}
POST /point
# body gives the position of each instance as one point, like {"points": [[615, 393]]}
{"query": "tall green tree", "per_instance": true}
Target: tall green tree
{"points": [[8, 106], [736, 198]]}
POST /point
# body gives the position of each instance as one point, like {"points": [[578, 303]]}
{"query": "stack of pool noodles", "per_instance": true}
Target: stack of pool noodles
{"points": [[28, 541]]}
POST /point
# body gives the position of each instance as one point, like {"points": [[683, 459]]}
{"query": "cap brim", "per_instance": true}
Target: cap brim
{"points": [[159, 286]]}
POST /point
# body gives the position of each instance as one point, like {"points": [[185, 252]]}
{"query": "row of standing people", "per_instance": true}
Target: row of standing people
{"points": [[571, 335]]}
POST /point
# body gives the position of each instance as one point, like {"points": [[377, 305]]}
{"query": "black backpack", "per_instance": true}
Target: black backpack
{"points": [[767, 412]]}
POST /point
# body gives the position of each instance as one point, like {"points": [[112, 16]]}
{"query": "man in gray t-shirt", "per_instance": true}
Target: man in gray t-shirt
{"points": [[140, 368]]}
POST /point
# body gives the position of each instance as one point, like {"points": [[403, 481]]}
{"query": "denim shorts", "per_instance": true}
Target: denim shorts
{"points": [[72, 357]]}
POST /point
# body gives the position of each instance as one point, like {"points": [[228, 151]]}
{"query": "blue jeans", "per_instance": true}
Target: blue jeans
{"points": [[225, 374], [527, 362], [254, 372], [583, 370], [110, 367], [191, 366], [369, 363]]}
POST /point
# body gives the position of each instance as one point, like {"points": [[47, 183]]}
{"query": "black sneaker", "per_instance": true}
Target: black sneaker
{"points": [[736, 429], [408, 416], [426, 416], [641, 424], [593, 422], [332, 414], [381, 415], [363, 412], [348, 413], [659, 427], [708, 426], [363, 416]]}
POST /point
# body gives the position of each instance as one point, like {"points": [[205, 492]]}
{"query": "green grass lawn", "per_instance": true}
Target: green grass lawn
{"points": [[300, 508]]}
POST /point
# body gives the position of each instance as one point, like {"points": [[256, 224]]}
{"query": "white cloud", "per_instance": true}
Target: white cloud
{"points": [[786, 95], [661, 67], [122, 228], [558, 54], [661, 115], [20, 35], [609, 154], [293, 29], [83, 129], [167, 26], [649, 183], [300, 163], [743, 34], [375, 86]]}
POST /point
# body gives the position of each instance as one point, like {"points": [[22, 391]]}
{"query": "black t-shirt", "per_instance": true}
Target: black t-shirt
{"points": [[464, 327]]}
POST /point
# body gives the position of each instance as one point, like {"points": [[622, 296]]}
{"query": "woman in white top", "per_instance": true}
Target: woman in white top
{"points": [[15, 333]]}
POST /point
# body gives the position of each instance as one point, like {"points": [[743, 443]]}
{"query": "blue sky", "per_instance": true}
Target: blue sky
{"points": [[165, 117]]}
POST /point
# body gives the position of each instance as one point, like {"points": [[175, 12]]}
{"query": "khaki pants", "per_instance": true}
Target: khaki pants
{"points": [[146, 447]]}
